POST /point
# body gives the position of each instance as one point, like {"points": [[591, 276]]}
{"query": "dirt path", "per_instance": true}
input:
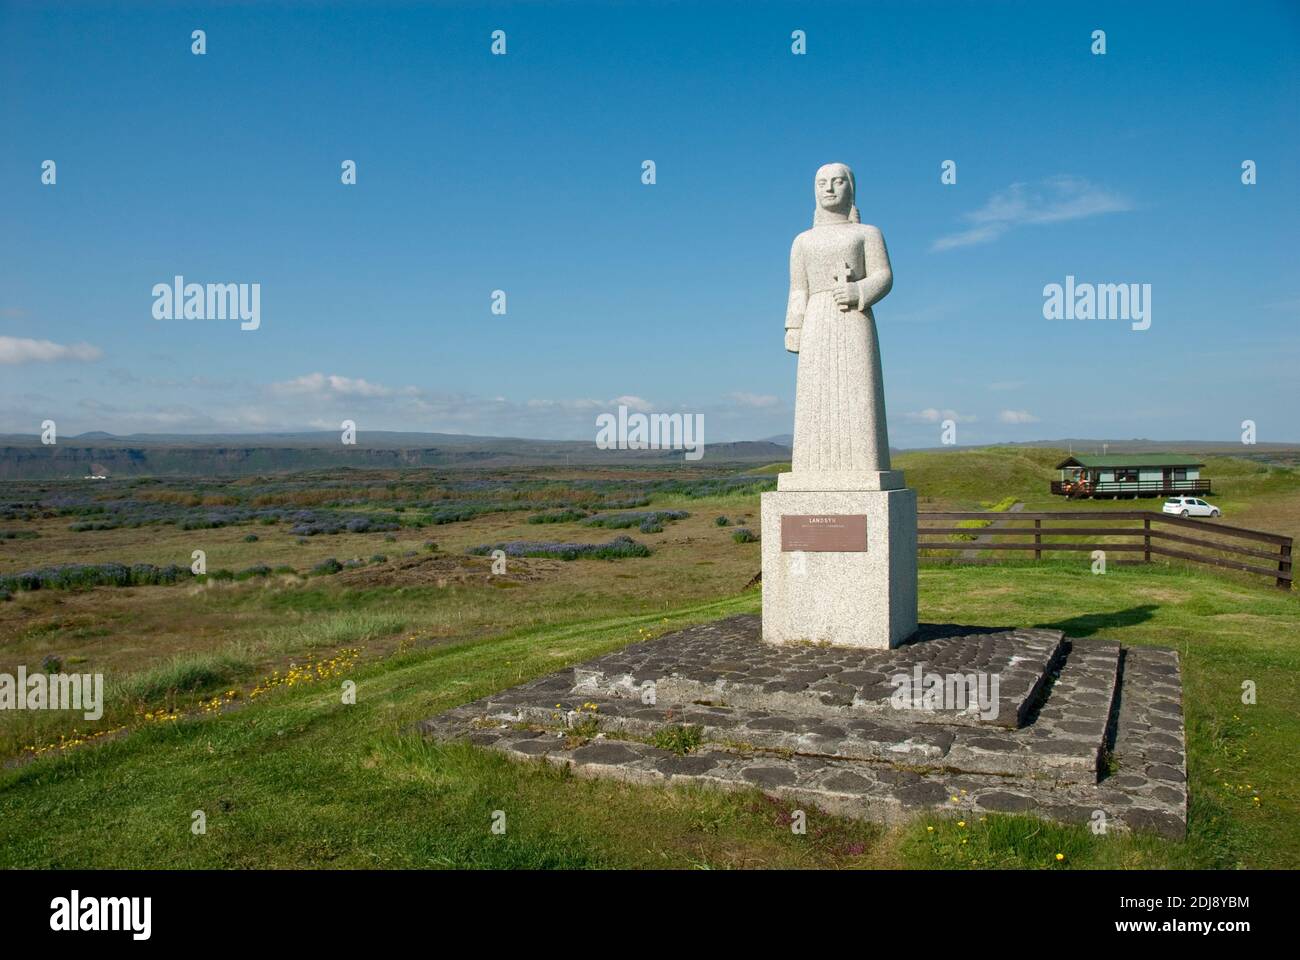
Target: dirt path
{"points": [[974, 554]]}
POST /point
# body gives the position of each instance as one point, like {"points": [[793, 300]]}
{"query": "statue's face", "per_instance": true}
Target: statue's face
{"points": [[834, 191]]}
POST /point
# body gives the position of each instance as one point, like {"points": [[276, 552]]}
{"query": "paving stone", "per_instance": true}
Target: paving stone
{"points": [[1002, 802], [923, 794], [769, 776], [847, 782], [603, 753], [1162, 771]]}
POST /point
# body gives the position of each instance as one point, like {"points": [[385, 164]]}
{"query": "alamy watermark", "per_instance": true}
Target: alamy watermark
{"points": [[211, 301], [1098, 301], [53, 691], [961, 692], [74, 913], [651, 431]]}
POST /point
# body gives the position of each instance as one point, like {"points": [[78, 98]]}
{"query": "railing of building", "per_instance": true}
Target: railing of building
{"points": [[1111, 488]]}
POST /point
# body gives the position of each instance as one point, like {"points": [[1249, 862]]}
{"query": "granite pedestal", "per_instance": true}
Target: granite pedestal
{"points": [[839, 566]]}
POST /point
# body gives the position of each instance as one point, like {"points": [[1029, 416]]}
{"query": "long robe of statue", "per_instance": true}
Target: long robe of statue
{"points": [[838, 269]]}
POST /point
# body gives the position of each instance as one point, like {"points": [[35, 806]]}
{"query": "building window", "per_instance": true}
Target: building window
{"points": [[1126, 475], [1180, 473]]}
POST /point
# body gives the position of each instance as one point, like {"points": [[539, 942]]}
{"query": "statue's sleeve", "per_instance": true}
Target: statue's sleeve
{"points": [[879, 278], [798, 301]]}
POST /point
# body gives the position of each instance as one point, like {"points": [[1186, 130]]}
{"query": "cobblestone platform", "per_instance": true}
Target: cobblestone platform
{"points": [[1083, 726]]}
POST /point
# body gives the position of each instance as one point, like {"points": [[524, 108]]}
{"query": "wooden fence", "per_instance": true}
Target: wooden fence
{"points": [[1147, 534]]}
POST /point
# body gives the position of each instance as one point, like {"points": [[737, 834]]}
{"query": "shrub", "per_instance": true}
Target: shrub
{"points": [[143, 574], [379, 558], [634, 518], [310, 524], [615, 549], [327, 567], [567, 515], [257, 570], [744, 535], [251, 538], [83, 576], [51, 664], [721, 521]]}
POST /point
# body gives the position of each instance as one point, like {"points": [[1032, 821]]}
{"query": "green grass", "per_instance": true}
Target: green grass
{"points": [[678, 738], [969, 478], [182, 674], [299, 779], [336, 629]]}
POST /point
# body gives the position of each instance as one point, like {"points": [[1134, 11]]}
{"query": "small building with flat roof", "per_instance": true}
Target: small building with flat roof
{"points": [[1130, 475]]}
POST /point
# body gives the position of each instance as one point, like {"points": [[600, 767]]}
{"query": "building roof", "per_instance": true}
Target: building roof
{"points": [[1131, 460]]}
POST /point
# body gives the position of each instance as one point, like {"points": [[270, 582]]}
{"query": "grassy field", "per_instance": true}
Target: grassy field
{"points": [[202, 715]]}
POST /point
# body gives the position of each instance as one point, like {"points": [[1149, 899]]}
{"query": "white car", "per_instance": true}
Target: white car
{"points": [[1190, 507]]}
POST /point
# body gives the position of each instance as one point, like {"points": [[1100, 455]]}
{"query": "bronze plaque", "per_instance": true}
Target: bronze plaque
{"points": [[825, 532]]}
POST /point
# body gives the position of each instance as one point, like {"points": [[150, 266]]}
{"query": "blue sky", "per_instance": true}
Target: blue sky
{"points": [[523, 173]]}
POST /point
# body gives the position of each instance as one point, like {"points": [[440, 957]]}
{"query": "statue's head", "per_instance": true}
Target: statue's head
{"points": [[833, 189]]}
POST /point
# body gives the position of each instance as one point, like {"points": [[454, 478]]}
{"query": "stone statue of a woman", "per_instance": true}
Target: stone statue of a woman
{"points": [[838, 269], [839, 530]]}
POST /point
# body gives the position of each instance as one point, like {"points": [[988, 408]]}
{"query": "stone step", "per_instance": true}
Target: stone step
{"points": [[1067, 747], [727, 663], [1149, 756], [881, 792], [871, 765]]}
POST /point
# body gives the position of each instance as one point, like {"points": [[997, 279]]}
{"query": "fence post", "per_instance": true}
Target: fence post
{"points": [[1284, 565], [1038, 540], [1146, 539]]}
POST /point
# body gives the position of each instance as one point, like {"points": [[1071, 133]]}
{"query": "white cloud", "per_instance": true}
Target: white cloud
{"points": [[1017, 416], [23, 350], [933, 415], [332, 385], [757, 401], [1054, 200]]}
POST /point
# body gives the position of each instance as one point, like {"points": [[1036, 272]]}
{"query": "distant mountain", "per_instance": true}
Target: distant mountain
{"points": [[1222, 448], [24, 457]]}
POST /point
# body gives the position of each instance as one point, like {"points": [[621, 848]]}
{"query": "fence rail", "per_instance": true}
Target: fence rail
{"points": [[1154, 539]]}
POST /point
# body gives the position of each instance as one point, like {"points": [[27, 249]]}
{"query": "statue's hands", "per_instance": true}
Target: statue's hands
{"points": [[846, 295], [792, 339]]}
